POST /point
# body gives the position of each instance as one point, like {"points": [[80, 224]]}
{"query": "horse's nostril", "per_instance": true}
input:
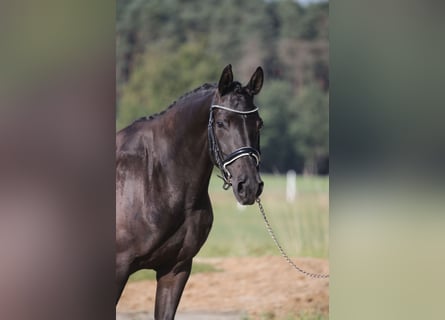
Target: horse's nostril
{"points": [[240, 187], [241, 183]]}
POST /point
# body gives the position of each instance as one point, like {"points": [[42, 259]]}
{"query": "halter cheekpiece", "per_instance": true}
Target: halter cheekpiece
{"points": [[216, 153]]}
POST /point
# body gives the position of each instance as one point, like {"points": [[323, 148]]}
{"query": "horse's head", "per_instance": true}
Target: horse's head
{"points": [[234, 132]]}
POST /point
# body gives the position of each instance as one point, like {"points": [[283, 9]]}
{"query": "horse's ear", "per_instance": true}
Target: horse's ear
{"points": [[256, 82], [225, 80]]}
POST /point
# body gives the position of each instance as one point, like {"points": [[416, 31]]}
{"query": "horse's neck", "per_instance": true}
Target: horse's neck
{"points": [[189, 136]]}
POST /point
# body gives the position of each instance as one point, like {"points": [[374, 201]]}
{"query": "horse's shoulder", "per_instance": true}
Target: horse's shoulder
{"points": [[130, 145]]}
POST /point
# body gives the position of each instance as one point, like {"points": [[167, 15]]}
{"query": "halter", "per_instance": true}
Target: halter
{"points": [[216, 153]]}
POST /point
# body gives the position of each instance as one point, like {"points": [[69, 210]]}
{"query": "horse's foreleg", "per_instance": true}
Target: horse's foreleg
{"points": [[122, 275], [169, 289]]}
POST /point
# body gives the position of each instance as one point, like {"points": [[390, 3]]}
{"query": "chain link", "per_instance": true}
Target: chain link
{"points": [[283, 253]]}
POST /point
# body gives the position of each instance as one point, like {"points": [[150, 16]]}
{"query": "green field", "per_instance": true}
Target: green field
{"points": [[302, 227]]}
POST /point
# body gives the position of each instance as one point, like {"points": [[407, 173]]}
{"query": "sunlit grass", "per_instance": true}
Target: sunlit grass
{"points": [[301, 227]]}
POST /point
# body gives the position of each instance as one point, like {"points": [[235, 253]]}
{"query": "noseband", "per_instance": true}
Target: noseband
{"points": [[216, 153]]}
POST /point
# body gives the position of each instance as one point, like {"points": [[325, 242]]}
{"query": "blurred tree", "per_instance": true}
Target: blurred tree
{"points": [[314, 23], [270, 35], [279, 152], [290, 14], [159, 79], [141, 24], [309, 126]]}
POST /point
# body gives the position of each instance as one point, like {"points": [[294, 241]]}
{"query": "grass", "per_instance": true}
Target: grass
{"points": [[301, 227]]}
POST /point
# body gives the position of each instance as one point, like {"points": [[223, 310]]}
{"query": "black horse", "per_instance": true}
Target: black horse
{"points": [[163, 168]]}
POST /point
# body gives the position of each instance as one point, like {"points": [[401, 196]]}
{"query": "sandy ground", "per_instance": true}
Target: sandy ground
{"points": [[253, 286]]}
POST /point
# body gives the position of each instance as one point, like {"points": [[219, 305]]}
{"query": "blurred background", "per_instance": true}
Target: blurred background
{"points": [[167, 48]]}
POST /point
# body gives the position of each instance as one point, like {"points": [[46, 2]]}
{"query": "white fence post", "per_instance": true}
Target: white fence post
{"points": [[291, 186]]}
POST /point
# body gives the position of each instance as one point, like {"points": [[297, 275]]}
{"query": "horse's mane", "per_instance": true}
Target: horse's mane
{"points": [[204, 87]]}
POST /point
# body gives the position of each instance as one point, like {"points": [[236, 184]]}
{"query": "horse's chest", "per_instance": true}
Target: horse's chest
{"points": [[187, 241], [184, 241]]}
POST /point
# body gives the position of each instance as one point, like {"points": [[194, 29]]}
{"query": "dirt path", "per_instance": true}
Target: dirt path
{"points": [[183, 316], [254, 286]]}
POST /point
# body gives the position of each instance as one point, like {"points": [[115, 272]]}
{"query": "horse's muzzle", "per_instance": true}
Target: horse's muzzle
{"points": [[247, 191]]}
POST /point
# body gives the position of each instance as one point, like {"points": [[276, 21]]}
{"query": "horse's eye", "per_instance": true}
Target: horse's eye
{"points": [[220, 124]]}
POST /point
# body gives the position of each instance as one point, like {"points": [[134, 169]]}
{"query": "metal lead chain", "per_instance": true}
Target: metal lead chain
{"points": [[274, 238]]}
